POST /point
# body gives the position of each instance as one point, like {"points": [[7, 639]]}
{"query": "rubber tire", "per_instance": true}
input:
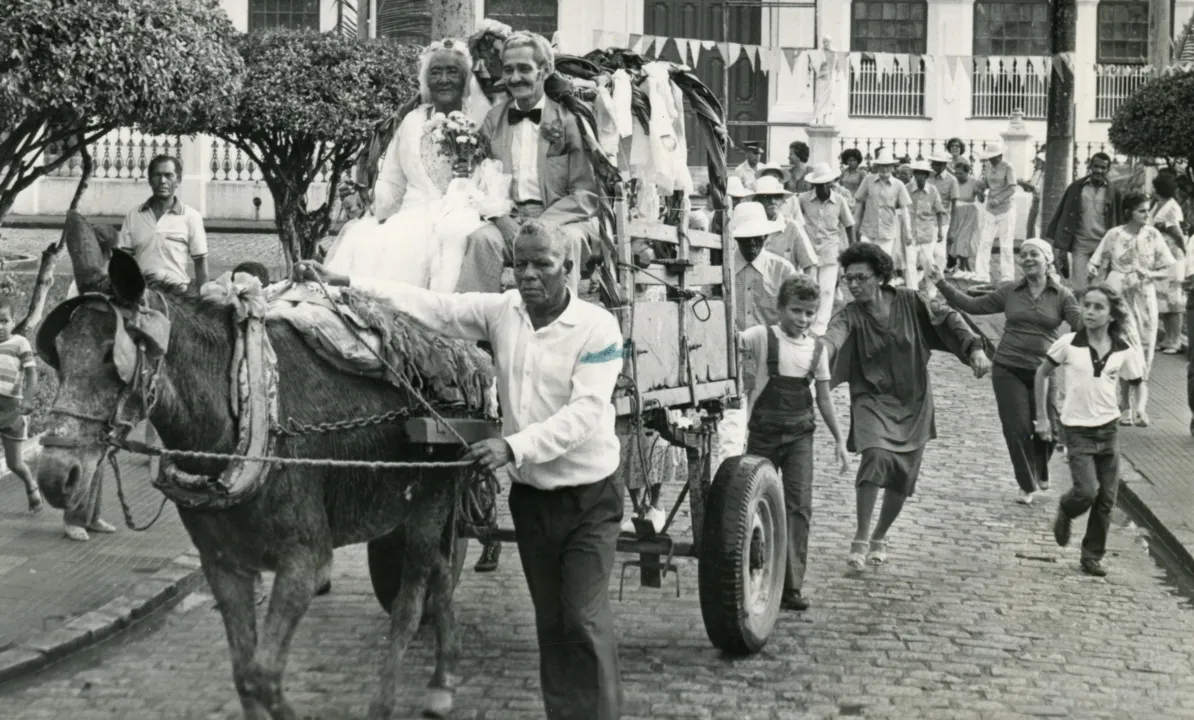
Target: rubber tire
{"points": [[385, 565], [722, 567]]}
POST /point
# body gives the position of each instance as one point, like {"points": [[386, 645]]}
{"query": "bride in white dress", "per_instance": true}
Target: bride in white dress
{"points": [[422, 216]]}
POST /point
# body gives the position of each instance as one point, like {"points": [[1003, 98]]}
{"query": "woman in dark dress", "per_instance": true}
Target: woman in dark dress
{"points": [[880, 344]]}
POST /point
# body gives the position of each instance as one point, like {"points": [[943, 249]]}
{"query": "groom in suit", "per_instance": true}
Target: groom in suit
{"points": [[538, 142]]}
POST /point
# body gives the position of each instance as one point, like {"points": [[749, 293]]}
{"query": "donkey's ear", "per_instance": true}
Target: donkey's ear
{"points": [[128, 284]]}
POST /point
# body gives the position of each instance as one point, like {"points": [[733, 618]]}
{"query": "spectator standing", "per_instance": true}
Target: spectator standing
{"points": [[748, 170], [829, 223], [852, 173], [1166, 216], [882, 206], [965, 223], [947, 187], [1089, 208], [999, 185], [798, 154], [791, 242]]}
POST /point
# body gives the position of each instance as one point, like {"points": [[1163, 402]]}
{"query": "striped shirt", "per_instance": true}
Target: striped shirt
{"points": [[15, 355]]}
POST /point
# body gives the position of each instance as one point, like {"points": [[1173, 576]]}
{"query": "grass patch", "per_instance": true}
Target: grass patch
{"points": [[19, 285]]}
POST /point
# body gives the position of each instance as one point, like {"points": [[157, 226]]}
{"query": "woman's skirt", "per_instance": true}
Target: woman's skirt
{"points": [[964, 230], [1170, 297]]}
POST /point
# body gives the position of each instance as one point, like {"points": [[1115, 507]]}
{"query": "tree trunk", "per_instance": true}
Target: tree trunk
{"points": [[1160, 35], [1059, 149], [452, 19]]}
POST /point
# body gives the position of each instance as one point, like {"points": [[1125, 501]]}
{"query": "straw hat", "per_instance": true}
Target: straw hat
{"points": [[768, 185], [773, 167], [884, 157], [750, 220], [995, 149], [821, 173], [922, 166], [735, 188], [940, 156]]}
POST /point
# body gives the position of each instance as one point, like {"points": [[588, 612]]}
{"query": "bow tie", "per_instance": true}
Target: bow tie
{"points": [[515, 116]]}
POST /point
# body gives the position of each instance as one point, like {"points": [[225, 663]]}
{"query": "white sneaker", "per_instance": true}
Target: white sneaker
{"points": [[1025, 498], [628, 524], [658, 518]]}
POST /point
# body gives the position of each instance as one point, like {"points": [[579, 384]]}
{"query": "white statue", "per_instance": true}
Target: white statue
{"points": [[825, 88]]}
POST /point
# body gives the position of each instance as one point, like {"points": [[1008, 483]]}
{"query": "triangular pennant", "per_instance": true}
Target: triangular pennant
{"points": [[648, 42], [734, 51], [791, 55], [855, 62], [694, 52], [634, 42], [777, 59], [708, 44], [884, 63]]}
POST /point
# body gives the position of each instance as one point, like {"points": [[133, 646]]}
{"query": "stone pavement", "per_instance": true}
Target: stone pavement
{"points": [[977, 615], [46, 581]]}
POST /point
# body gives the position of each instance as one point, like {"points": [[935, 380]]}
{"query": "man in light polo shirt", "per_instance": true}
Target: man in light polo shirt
{"points": [[558, 360], [881, 206], [164, 234], [829, 222]]}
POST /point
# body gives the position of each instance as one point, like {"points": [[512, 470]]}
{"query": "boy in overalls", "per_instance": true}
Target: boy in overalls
{"points": [[787, 361]]}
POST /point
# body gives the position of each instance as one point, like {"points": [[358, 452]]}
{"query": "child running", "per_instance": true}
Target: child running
{"points": [[18, 380], [1096, 359], [786, 362]]}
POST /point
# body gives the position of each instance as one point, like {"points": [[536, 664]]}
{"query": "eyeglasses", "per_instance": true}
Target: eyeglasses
{"points": [[856, 279]]}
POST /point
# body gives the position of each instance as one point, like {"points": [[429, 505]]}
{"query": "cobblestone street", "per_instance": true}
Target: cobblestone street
{"points": [[978, 615]]}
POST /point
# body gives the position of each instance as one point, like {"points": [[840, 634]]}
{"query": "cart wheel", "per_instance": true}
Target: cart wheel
{"points": [[742, 558], [385, 565]]}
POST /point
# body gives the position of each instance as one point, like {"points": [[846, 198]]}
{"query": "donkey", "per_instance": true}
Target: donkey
{"points": [[291, 525]]}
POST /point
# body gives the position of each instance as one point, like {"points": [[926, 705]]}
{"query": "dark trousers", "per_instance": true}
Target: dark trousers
{"points": [[1015, 398], [566, 540], [1190, 351], [1094, 466], [794, 460]]}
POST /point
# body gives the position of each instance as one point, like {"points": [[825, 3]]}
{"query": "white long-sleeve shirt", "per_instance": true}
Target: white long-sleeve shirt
{"points": [[556, 383]]}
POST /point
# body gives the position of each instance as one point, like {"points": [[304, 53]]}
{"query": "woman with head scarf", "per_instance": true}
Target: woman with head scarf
{"points": [[1035, 307]]}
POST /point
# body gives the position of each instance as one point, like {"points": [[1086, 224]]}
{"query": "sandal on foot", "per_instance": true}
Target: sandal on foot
{"points": [[76, 533], [35, 501], [878, 553], [857, 558], [1142, 419], [102, 526]]}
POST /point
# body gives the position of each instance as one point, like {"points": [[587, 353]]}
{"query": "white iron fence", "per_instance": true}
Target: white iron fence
{"points": [[1000, 86], [1114, 84], [893, 89], [123, 154]]}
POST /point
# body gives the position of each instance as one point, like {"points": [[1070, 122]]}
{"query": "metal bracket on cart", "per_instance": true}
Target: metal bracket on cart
{"points": [[651, 570]]}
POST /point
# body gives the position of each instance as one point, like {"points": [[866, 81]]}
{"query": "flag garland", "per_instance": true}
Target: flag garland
{"points": [[765, 58]]}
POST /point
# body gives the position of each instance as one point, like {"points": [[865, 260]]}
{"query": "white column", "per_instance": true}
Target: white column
{"points": [[950, 32], [238, 13], [192, 189], [1085, 85]]}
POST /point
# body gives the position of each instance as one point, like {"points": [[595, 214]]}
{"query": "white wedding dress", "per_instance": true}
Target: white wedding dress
{"points": [[422, 216]]}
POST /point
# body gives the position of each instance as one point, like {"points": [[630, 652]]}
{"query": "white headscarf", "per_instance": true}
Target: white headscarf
{"points": [[474, 104]]}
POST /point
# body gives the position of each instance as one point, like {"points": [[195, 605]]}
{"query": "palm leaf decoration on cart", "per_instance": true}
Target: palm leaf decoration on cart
{"points": [[574, 85]]}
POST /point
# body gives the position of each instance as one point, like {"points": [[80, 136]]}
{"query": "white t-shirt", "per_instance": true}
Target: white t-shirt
{"points": [[795, 357], [1092, 392]]}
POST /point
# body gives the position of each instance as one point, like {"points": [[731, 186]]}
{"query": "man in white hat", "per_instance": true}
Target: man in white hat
{"points": [[736, 190], [929, 225], [791, 241], [999, 184], [749, 169], [881, 205], [829, 223], [758, 275], [945, 182], [790, 207]]}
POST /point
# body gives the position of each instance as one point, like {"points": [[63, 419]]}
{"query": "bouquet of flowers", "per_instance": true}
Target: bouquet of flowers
{"points": [[460, 140]]}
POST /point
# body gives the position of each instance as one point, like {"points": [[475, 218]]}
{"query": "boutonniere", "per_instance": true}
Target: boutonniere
{"points": [[553, 132]]}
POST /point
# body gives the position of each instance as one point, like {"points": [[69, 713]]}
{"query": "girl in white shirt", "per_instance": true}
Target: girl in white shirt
{"points": [[1096, 357]]}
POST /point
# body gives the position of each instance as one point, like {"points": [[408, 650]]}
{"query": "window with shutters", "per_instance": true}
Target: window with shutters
{"points": [[1011, 42], [1122, 53], [289, 14], [896, 88]]}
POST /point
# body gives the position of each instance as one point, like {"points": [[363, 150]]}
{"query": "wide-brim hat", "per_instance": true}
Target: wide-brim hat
{"points": [[773, 167], [921, 166], [884, 157], [940, 156], [750, 220], [821, 173], [992, 150], [735, 188], [768, 185]]}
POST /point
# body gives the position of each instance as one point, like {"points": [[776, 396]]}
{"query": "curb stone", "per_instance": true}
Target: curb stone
{"points": [[1129, 477], [167, 585]]}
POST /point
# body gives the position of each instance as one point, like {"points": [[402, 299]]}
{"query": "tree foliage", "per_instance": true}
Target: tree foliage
{"points": [[73, 70], [1155, 121], [309, 102]]}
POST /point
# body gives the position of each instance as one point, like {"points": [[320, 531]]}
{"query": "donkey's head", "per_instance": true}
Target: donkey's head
{"points": [[107, 349]]}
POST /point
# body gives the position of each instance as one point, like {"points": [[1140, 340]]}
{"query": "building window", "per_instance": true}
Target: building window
{"points": [[889, 26], [1123, 32], [290, 14], [539, 16], [1011, 27], [894, 89]]}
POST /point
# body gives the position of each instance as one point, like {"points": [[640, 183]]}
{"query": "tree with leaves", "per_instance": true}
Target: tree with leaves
{"points": [[1155, 121], [71, 71], [307, 107]]}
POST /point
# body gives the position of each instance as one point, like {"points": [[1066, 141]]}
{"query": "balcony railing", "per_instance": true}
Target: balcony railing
{"points": [[122, 154], [1000, 86], [889, 89], [1116, 83]]}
